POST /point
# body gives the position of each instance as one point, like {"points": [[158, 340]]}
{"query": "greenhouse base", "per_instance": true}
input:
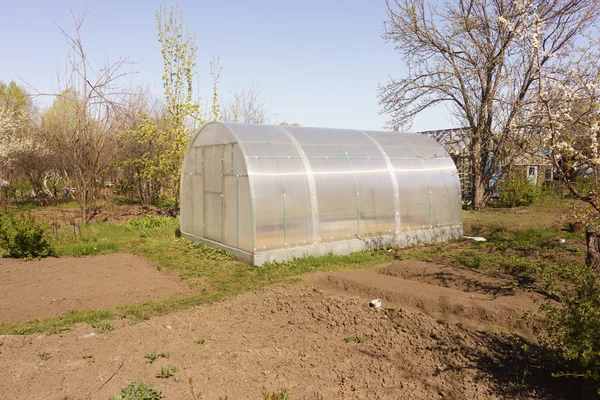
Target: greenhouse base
{"points": [[404, 239]]}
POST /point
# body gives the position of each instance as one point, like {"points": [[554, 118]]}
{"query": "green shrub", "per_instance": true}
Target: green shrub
{"points": [[23, 236], [570, 332], [519, 191], [138, 390]]}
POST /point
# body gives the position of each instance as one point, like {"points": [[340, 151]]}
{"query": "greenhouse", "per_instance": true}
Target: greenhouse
{"points": [[274, 193]]}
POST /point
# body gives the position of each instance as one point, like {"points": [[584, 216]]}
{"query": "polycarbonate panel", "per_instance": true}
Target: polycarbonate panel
{"points": [[187, 198], [445, 192], [213, 216], [239, 164], [230, 209], [376, 196], [318, 143], [228, 159], [297, 202], [213, 168], [265, 141], [213, 133], [413, 188], [395, 145], [245, 224], [262, 149], [336, 197], [356, 144], [430, 152], [197, 209], [269, 202]]}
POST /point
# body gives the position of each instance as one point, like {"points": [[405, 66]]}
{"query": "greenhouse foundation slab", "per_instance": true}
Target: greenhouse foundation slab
{"points": [[404, 239]]}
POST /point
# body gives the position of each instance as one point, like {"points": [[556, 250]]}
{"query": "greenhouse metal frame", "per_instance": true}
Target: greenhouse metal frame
{"points": [[273, 193]]}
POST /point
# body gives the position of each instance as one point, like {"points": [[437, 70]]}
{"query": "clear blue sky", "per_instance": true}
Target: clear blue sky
{"points": [[317, 63]]}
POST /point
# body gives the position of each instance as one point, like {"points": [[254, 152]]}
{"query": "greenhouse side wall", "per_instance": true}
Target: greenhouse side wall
{"points": [[312, 191]]}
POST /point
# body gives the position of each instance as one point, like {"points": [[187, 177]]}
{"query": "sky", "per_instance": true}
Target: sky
{"points": [[315, 62]]}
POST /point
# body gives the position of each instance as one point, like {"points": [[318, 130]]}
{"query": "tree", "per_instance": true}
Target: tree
{"points": [[23, 150], [179, 60], [85, 117], [470, 56], [246, 106], [160, 137], [567, 118]]}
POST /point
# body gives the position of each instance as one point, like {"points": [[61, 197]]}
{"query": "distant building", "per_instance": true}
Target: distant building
{"points": [[456, 142]]}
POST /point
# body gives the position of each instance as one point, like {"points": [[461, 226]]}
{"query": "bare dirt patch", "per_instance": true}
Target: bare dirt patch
{"points": [[477, 299], [104, 213], [289, 337], [48, 287]]}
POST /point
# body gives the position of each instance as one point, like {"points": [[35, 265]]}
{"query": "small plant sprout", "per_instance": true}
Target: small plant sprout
{"points": [[151, 357], [357, 339], [167, 372], [104, 327], [281, 394], [199, 341], [138, 390], [44, 355]]}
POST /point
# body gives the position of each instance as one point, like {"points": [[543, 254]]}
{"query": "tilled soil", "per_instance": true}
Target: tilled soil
{"points": [[52, 286], [316, 339], [477, 299]]}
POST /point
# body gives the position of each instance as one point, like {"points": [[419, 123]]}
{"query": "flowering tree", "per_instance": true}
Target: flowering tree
{"points": [[469, 56], [566, 112], [22, 149]]}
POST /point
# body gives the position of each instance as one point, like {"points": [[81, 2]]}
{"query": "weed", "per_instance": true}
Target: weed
{"points": [[138, 390], [468, 258], [167, 372], [199, 341], [357, 339], [151, 357], [104, 327], [89, 359], [281, 394], [44, 355], [195, 396]]}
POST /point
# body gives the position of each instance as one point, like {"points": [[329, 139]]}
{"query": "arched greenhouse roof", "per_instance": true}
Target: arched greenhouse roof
{"points": [[270, 192]]}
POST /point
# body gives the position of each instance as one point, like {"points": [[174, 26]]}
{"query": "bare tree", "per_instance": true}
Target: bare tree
{"points": [[85, 117], [469, 55], [246, 106]]}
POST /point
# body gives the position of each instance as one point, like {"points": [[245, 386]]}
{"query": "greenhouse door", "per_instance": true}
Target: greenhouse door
{"points": [[213, 192]]}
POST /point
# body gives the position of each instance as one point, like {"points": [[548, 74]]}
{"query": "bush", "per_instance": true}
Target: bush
{"points": [[22, 236], [570, 332], [519, 191], [138, 390]]}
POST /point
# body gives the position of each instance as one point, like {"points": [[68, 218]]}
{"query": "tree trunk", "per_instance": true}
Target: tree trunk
{"points": [[478, 189], [592, 259]]}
